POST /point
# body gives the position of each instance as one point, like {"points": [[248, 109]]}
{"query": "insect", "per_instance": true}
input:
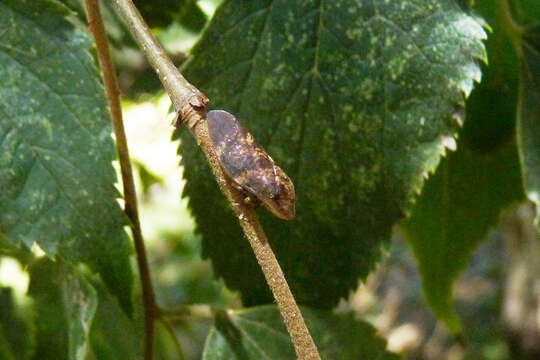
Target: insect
{"points": [[249, 166]]}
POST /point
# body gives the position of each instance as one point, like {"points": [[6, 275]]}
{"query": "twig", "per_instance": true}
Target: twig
{"points": [[95, 23], [190, 104]]}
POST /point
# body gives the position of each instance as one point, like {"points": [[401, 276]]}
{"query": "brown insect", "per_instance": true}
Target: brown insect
{"points": [[249, 166]]}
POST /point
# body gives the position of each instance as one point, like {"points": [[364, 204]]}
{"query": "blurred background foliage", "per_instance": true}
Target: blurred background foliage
{"points": [[497, 297]]}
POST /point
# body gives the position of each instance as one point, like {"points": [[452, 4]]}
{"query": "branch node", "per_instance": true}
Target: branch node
{"points": [[190, 115]]}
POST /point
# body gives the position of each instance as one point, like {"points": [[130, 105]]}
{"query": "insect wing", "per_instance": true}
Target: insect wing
{"points": [[240, 156], [248, 165]]}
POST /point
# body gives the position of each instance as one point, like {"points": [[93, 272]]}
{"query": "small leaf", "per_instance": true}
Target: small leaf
{"points": [[354, 100], [16, 335], [56, 149], [191, 16], [65, 306], [528, 126], [147, 177], [259, 333]]}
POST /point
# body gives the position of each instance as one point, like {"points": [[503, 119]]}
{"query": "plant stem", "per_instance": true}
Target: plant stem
{"points": [[95, 23], [190, 104]]}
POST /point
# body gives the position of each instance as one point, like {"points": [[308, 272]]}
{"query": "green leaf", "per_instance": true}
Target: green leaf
{"points": [[457, 207], [259, 333], [16, 335], [192, 17], [114, 335], [464, 198], [56, 148], [65, 306], [192, 281], [147, 177], [355, 101], [528, 126]]}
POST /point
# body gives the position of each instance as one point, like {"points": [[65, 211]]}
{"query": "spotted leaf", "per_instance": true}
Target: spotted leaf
{"points": [[56, 150]]}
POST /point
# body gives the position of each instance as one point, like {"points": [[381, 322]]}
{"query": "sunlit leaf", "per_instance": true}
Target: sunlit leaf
{"points": [[56, 149]]}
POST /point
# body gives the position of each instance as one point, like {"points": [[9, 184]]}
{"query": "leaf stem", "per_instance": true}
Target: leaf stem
{"points": [[172, 334], [95, 24], [190, 104], [513, 29]]}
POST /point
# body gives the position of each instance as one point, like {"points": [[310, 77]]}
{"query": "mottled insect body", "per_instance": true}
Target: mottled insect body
{"points": [[249, 166]]}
